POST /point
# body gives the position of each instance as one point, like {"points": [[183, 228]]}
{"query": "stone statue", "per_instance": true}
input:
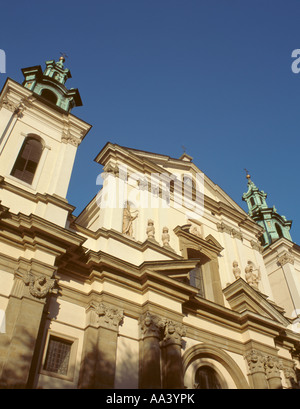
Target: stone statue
{"points": [[252, 275], [128, 217], [236, 270], [165, 237], [150, 230]]}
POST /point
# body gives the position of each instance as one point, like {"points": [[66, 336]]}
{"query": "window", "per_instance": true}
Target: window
{"points": [[196, 279], [279, 231], [49, 95], [27, 160], [207, 378], [252, 201], [58, 355]]}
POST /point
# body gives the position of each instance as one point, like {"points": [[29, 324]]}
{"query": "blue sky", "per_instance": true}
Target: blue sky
{"points": [[212, 75]]}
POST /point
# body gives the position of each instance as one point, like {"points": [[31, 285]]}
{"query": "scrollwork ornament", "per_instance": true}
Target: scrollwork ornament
{"points": [[40, 286]]}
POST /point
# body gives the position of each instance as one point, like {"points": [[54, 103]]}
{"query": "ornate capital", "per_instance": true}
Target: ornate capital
{"points": [[68, 138], [106, 316], [39, 286], [173, 333], [256, 361], [256, 246], [273, 366], [286, 258], [237, 234], [151, 325], [222, 227]]}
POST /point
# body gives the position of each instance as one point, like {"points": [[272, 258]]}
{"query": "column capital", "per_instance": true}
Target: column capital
{"points": [[104, 315], [151, 325], [286, 258], [273, 366], [173, 333], [39, 285], [256, 361]]}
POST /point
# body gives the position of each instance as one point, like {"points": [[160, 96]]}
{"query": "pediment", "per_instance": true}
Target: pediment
{"points": [[242, 298]]}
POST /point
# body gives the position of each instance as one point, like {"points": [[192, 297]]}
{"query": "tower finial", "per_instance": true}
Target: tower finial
{"points": [[247, 174]]}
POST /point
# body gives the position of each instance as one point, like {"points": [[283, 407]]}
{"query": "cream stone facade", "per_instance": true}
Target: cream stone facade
{"points": [[160, 282]]}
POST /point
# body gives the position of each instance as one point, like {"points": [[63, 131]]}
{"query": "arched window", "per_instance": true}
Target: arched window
{"points": [[279, 231], [49, 95], [27, 160], [207, 378], [252, 201]]}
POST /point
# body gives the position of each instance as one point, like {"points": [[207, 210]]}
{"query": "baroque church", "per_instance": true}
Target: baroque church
{"points": [[161, 282]]}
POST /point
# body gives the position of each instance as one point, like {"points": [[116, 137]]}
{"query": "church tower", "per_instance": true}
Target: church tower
{"points": [[39, 137], [275, 226]]}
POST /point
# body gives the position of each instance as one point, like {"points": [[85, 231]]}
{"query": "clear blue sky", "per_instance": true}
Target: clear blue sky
{"points": [[212, 75]]}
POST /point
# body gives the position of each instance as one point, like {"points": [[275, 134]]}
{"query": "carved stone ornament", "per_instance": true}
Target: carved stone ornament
{"points": [[39, 286], [223, 228], [252, 275], [273, 366], [7, 104], [173, 333], [237, 234], [290, 376], [256, 246], [151, 325], [194, 230], [256, 361], [68, 138], [150, 230], [108, 317], [236, 270], [286, 258], [111, 169], [165, 237], [128, 217]]}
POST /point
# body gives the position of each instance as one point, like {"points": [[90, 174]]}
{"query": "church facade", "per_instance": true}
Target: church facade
{"points": [[161, 282]]}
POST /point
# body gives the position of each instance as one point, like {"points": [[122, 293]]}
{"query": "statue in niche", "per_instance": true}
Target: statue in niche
{"points": [[165, 237], [150, 230], [128, 217], [236, 270], [252, 275]]}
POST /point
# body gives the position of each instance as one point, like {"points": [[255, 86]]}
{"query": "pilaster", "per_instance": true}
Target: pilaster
{"points": [[23, 317], [100, 346]]}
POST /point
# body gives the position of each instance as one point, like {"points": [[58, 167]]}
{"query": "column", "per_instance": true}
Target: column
{"points": [[273, 366], [256, 362], [23, 319], [100, 346], [151, 330], [172, 360]]}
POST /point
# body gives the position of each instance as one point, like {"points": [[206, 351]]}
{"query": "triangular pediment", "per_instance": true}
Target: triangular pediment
{"points": [[243, 298]]}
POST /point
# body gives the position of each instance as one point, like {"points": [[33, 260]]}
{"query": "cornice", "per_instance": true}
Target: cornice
{"points": [[37, 197], [115, 235], [32, 230]]}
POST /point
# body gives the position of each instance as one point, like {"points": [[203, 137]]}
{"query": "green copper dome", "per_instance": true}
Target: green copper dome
{"points": [[274, 225], [50, 84]]}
